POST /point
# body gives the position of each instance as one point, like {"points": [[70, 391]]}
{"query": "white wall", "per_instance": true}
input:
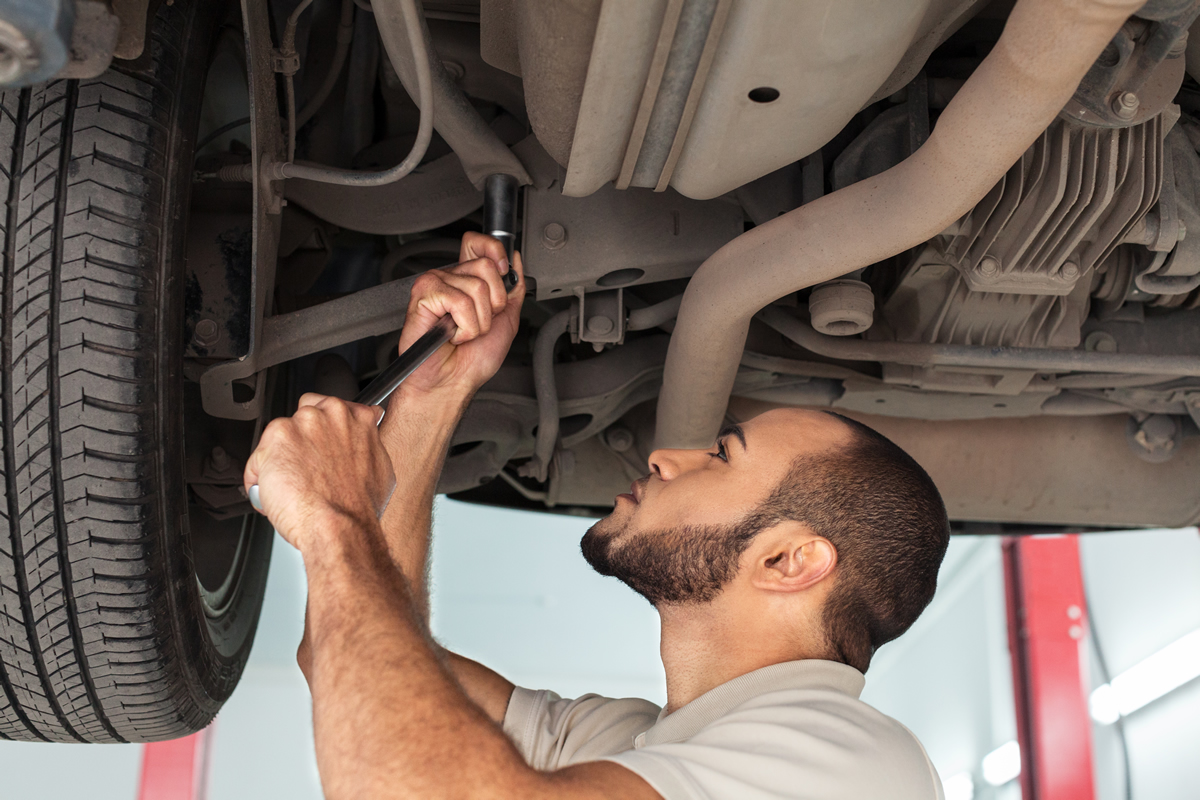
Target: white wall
{"points": [[949, 679], [1144, 589], [511, 589]]}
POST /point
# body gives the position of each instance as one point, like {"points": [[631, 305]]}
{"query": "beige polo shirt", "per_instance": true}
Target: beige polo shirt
{"points": [[795, 729]]}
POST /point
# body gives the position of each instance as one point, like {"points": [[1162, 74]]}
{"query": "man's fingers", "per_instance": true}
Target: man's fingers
{"points": [[480, 245], [310, 399], [254, 463], [486, 270], [466, 311], [432, 293], [481, 296], [366, 414]]}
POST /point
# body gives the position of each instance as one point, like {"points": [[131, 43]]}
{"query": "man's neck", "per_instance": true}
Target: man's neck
{"points": [[702, 648]]}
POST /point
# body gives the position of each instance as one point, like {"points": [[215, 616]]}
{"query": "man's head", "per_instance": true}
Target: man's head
{"points": [[800, 507]]}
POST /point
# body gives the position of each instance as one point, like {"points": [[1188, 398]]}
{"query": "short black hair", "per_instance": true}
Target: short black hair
{"points": [[885, 517]]}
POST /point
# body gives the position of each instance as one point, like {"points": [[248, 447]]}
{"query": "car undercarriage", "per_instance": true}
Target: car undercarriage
{"points": [[962, 222]]}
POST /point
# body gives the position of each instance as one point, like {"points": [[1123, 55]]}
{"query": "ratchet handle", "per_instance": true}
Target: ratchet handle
{"points": [[393, 375], [380, 389]]}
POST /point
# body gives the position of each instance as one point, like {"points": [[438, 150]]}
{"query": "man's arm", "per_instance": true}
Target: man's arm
{"points": [[389, 719], [425, 411]]}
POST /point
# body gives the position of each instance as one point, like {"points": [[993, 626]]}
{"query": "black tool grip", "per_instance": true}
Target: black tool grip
{"points": [[500, 216]]}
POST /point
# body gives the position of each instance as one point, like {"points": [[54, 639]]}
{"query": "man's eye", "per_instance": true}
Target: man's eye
{"points": [[721, 453]]}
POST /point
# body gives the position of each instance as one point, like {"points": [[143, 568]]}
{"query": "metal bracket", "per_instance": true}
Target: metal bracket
{"points": [[266, 142], [371, 312], [601, 318], [285, 63]]}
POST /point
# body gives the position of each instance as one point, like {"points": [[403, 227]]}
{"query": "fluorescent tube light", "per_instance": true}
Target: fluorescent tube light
{"points": [[1002, 764], [1148, 680], [959, 786]]}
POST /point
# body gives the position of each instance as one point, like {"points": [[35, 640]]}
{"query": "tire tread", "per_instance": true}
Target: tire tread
{"points": [[83, 581]]}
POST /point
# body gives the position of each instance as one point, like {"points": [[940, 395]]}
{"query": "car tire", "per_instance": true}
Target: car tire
{"points": [[105, 631]]}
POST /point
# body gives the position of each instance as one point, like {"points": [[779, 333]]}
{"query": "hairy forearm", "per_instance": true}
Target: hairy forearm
{"points": [[416, 433], [389, 719]]}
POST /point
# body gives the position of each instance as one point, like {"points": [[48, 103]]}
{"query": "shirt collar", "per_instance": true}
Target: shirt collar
{"points": [[814, 674]]}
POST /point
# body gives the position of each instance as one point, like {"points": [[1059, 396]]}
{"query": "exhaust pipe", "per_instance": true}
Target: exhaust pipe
{"points": [[1013, 96]]}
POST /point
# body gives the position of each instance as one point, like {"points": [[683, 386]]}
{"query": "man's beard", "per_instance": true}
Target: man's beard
{"points": [[685, 565]]}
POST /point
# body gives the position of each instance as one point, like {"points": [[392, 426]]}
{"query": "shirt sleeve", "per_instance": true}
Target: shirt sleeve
{"points": [[552, 733], [764, 751]]}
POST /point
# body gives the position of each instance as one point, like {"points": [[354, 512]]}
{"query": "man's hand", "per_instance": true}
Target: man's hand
{"points": [[473, 293], [324, 461]]}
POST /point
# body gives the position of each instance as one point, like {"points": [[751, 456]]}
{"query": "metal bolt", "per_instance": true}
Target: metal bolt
{"points": [[554, 236], [207, 333], [989, 267], [1125, 105], [1100, 342], [220, 459], [618, 439], [1155, 438], [1179, 46], [599, 326], [1069, 271]]}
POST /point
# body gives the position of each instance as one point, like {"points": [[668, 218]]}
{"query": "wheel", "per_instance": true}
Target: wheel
{"points": [[126, 613]]}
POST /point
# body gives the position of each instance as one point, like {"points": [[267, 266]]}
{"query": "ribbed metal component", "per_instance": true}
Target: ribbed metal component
{"points": [[1061, 209]]}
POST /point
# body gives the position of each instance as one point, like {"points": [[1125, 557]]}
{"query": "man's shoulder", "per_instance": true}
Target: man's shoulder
{"points": [[781, 736], [823, 713]]}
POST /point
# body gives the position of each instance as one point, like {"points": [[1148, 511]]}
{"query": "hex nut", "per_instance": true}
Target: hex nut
{"points": [[1125, 105], [989, 267], [207, 333], [554, 236], [842, 307], [1069, 271]]}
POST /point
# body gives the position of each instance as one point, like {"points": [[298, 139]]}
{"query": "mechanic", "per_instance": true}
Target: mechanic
{"points": [[778, 560]]}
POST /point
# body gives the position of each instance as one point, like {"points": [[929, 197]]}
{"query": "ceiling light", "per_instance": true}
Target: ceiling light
{"points": [[1148, 680], [1002, 764], [959, 786]]}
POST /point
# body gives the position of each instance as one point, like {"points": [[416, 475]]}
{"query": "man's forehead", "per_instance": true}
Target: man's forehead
{"points": [[796, 430]]}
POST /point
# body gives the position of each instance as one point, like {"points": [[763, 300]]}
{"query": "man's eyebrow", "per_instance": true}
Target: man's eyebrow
{"points": [[735, 431]]}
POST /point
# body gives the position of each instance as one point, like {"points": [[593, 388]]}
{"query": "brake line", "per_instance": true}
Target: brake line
{"points": [[288, 62]]}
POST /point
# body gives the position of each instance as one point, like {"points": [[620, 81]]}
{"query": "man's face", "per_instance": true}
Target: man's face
{"points": [[675, 537]]}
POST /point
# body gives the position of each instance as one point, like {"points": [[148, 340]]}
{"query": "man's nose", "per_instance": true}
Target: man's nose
{"points": [[670, 464]]}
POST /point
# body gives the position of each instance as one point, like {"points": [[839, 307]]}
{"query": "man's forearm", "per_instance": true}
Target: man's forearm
{"points": [[389, 720], [416, 433]]}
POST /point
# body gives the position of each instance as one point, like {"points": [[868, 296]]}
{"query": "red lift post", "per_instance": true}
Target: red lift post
{"points": [[1047, 626], [178, 769]]}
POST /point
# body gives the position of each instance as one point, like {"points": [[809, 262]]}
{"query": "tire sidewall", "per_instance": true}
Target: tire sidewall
{"points": [[213, 650]]}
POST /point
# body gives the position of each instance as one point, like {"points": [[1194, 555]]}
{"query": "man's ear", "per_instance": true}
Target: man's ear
{"points": [[792, 558]]}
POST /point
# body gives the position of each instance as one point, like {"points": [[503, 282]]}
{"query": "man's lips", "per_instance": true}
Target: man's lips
{"points": [[635, 491]]}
